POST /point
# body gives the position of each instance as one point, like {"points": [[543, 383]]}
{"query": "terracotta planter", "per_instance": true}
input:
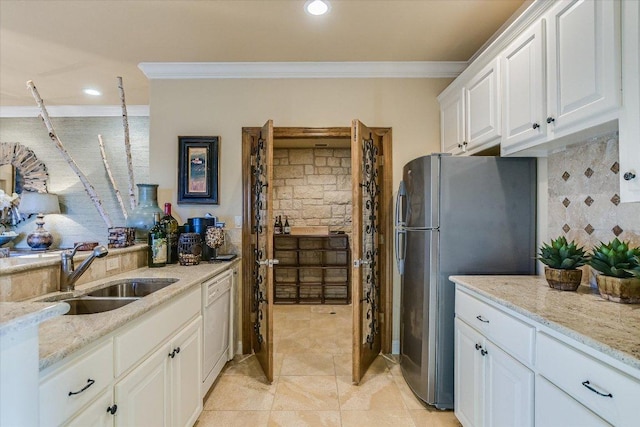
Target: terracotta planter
{"points": [[626, 291], [563, 280]]}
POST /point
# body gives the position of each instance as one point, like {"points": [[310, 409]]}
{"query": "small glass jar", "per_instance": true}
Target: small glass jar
{"points": [[189, 248]]}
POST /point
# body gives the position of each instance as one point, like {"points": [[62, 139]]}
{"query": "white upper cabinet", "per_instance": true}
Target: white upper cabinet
{"points": [[470, 115], [582, 64], [523, 89], [482, 99], [452, 136], [630, 115]]}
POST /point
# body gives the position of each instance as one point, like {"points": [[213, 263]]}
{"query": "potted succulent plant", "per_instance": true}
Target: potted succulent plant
{"points": [[562, 260], [619, 266]]}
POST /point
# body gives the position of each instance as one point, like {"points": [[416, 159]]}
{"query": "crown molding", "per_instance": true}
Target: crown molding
{"points": [[76, 111], [301, 70]]}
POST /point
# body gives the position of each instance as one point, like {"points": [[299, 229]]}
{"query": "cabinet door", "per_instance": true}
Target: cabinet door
{"points": [[508, 391], [555, 408], [452, 123], [523, 89], [482, 101], [469, 375], [143, 396], [185, 375], [630, 116], [583, 64], [96, 414]]}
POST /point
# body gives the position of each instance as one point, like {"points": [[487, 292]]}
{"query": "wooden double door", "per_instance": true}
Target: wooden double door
{"points": [[371, 269]]}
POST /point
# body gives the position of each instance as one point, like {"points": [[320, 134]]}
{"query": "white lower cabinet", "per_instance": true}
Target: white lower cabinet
{"points": [[555, 408], [537, 377], [491, 387], [165, 389], [98, 414], [147, 373]]}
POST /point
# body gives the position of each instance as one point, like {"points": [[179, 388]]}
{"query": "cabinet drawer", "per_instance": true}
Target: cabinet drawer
{"points": [[574, 372], [141, 338], [511, 334], [62, 394]]}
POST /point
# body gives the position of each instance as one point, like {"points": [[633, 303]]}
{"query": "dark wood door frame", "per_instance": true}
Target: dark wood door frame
{"points": [[248, 133]]}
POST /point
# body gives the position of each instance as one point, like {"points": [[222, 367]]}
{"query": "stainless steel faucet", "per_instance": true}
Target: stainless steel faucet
{"points": [[68, 274]]}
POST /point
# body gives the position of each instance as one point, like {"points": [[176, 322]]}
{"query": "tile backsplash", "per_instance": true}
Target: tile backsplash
{"points": [[584, 195]]}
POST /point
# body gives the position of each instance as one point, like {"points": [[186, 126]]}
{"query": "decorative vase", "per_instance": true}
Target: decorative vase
{"points": [[141, 218], [623, 290], [563, 280]]}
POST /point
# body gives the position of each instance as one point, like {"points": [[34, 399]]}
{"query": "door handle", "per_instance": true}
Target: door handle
{"points": [[268, 262]]}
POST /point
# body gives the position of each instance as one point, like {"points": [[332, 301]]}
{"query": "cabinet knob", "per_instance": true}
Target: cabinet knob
{"points": [[112, 409], [484, 352], [550, 120], [478, 346], [629, 176], [535, 126]]}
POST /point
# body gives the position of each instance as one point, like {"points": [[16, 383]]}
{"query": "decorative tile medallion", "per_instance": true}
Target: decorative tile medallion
{"points": [[615, 199], [589, 229], [566, 228], [566, 202], [588, 172], [617, 230], [615, 168], [588, 201], [566, 175]]}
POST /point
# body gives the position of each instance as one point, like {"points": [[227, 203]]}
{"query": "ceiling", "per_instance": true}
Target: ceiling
{"points": [[65, 46]]}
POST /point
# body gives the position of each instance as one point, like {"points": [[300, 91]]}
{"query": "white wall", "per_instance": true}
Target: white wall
{"points": [[223, 107]]}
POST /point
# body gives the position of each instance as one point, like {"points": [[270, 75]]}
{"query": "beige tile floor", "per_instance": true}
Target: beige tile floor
{"points": [[312, 381]]}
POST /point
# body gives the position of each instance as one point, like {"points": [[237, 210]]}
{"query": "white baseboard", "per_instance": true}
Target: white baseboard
{"points": [[395, 347]]}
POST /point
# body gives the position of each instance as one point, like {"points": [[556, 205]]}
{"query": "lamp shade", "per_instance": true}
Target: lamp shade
{"points": [[32, 202]]}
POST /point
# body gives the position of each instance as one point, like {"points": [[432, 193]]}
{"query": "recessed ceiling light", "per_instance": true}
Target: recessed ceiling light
{"points": [[92, 92], [317, 7]]}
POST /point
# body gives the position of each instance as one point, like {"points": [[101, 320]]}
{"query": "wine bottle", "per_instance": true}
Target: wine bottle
{"points": [[171, 228], [157, 243], [287, 228], [277, 228]]}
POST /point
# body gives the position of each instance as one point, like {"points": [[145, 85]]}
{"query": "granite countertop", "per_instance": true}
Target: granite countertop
{"points": [[609, 327], [16, 316], [61, 336]]}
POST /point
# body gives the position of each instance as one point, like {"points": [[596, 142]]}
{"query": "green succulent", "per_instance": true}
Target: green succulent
{"points": [[562, 255], [635, 271], [616, 259]]}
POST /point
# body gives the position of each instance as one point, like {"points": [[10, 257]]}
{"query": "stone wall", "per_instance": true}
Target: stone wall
{"points": [[312, 187]]}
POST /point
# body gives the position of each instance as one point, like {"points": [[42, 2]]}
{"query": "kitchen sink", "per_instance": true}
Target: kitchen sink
{"points": [[83, 305], [132, 288]]}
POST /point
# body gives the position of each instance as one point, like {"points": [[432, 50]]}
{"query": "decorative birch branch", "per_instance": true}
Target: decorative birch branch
{"points": [[65, 154], [113, 181], [127, 143]]}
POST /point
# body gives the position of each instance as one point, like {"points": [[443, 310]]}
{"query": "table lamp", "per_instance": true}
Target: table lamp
{"points": [[41, 204]]}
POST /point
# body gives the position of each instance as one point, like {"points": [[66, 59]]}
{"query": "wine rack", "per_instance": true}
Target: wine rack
{"points": [[312, 269]]}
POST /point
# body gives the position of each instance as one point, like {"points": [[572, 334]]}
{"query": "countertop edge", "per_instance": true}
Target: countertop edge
{"points": [[16, 317], [466, 282]]}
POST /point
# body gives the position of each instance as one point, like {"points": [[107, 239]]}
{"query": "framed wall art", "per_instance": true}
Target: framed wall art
{"points": [[198, 169]]}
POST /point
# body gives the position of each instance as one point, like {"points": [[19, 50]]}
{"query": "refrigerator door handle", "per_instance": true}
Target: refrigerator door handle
{"points": [[400, 233]]}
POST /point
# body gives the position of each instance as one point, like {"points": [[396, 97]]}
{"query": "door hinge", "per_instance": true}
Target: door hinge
{"points": [[380, 160], [381, 317], [252, 160], [381, 239]]}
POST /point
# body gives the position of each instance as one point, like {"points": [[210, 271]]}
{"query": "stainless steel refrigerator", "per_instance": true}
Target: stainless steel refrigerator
{"points": [[455, 215]]}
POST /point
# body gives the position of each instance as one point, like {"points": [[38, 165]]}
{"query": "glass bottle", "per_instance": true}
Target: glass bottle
{"points": [[171, 228], [277, 228], [287, 227], [157, 241]]}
